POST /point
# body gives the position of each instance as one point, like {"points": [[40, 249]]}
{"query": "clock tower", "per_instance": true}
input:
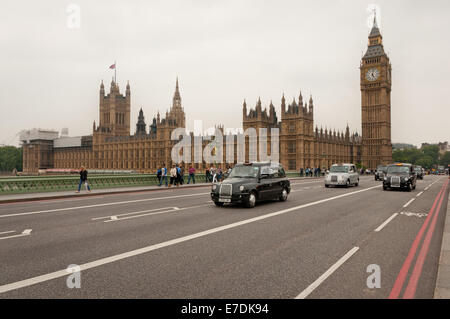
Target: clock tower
{"points": [[376, 102]]}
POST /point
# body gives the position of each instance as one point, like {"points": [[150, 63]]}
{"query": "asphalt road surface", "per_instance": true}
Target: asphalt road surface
{"points": [[174, 243]]}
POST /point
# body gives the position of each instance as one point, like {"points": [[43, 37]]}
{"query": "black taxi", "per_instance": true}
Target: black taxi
{"points": [[400, 176], [251, 182]]}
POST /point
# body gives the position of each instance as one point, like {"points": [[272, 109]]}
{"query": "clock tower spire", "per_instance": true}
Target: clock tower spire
{"points": [[375, 71]]}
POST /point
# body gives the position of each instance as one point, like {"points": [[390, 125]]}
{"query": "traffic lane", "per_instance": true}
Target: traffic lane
{"points": [[81, 212], [66, 245], [9, 208], [271, 258], [388, 249]]}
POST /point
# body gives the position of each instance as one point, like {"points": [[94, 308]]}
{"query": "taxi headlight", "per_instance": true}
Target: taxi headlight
{"points": [[214, 187], [241, 188]]}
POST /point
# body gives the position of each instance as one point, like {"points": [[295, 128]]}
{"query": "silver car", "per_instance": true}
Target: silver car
{"points": [[342, 175]]}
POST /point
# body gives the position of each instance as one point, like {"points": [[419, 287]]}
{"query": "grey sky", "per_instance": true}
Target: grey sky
{"points": [[223, 52]]}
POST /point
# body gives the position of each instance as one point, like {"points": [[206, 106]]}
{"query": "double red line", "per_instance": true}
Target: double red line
{"points": [[410, 290]]}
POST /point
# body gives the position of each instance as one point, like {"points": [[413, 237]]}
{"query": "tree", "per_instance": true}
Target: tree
{"points": [[425, 161], [10, 158], [445, 159]]}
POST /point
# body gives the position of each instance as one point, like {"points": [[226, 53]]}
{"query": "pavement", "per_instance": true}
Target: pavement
{"points": [[442, 290], [357, 242]]}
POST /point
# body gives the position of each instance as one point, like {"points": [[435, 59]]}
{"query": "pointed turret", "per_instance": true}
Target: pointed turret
{"points": [[141, 127], [311, 105], [375, 47], [177, 96], [283, 105], [244, 109], [128, 91]]}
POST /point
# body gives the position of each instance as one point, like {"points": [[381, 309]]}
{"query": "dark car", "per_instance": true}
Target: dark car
{"points": [[400, 176], [251, 182], [380, 172], [419, 171]]}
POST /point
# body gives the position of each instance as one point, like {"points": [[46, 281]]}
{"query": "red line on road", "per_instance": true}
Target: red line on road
{"points": [[412, 285], [395, 292]]}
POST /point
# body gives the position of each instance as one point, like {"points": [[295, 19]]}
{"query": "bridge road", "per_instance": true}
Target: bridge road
{"points": [[175, 243]]}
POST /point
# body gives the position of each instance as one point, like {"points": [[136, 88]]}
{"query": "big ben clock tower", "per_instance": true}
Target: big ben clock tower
{"points": [[376, 102]]}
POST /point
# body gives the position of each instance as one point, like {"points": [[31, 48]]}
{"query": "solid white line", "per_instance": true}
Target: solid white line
{"points": [[410, 201], [419, 194], [426, 188], [7, 232], [386, 222], [140, 251], [99, 205], [305, 293]]}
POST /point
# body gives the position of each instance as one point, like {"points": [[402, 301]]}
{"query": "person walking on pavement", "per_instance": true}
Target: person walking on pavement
{"points": [[163, 175], [178, 174], [83, 179], [158, 175], [173, 176], [191, 172], [181, 174], [207, 176]]}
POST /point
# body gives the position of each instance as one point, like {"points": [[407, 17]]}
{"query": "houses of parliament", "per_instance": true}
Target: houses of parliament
{"points": [[301, 144]]}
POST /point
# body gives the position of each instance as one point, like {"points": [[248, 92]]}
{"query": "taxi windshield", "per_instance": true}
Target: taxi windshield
{"points": [[381, 168], [398, 170], [417, 169], [339, 169], [244, 171]]}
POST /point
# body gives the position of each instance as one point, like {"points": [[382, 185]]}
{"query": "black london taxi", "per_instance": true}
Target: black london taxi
{"points": [[380, 172], [400, 176], [419, 171], [251, 182]]}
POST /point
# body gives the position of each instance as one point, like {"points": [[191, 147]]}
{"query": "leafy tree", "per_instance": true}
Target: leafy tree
{"points": [[445, 159], [10, 158], [425, 161]]}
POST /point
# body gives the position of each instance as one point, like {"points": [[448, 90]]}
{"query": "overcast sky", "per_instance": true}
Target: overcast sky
{"points": [[222, 52]]}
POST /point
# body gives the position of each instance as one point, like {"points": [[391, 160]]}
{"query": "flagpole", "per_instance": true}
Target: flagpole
{"points": [[115, 71]]}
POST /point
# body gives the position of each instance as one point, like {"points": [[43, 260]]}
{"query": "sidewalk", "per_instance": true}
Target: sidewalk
{"points": [[27, 197], [442, 290]]}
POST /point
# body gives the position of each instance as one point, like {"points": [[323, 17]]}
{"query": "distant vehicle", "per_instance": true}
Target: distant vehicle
{"points": [[400, 176], [380, 172], [251, 182], [419, 171], [342, 175]]}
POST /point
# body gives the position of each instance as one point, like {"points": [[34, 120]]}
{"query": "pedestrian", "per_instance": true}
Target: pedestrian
{"points": [[191, 172], [173, 176], [158, 175], [181, 174], [214, 174], [178, 167], [163, 175], [318, 172], [83, 179], [207, 176]]}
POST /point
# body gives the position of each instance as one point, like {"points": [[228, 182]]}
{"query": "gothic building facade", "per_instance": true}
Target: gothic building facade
{"points": [[301, 143]]}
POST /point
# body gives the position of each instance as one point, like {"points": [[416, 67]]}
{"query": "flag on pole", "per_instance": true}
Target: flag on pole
{"points": [[113, 66]]}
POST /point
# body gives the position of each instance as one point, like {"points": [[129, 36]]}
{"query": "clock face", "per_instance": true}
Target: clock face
{"points": [[372, 74]]}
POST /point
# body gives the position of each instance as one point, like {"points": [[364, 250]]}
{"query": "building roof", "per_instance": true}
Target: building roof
{"points": [[374, 51]]}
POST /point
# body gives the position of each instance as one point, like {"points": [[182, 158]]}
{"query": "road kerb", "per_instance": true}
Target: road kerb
{"points": [[442, 290]]}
